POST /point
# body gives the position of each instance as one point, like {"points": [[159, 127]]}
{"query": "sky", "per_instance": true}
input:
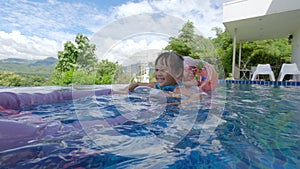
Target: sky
{"points": [[121, 29]]}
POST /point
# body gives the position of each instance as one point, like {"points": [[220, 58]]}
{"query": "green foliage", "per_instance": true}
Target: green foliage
{"points": [[61, 78], [13, 79], [25, 67], [67, 77], [224, 48], [34, 80], [72, 77], [78, 56], [188, 43], [120, 77], [56, 77], [10, 79], [77, 63], [181, 44], [81, 77], [275, 51], [152, 77], [86, 60], [106, 71], [67, 58], [179, 47]]}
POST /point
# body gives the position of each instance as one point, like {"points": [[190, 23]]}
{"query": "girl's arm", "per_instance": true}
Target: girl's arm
{"points": [[132, 86]]}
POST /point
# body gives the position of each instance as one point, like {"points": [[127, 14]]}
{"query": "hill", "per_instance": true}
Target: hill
{"points": [[42, 67]]}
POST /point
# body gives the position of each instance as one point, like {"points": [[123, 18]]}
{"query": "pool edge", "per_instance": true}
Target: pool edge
{"points": [[267, 83]]}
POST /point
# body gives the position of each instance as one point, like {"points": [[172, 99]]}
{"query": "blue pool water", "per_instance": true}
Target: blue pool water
{"points": [[239, 126]]}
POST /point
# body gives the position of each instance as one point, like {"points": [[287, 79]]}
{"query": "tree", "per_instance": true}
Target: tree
{"points": [[86, 60], [67, 58], [188, 43], [178, 47], [106, 71], [10, 79], [75, 57], [224, 48], [34, 80], [78, 56], [181, 44]]}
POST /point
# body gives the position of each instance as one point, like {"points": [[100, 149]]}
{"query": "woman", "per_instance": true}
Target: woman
{"points": [[204, 74]]}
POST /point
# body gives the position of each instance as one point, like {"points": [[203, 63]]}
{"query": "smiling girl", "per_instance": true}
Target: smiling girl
{"points": [[168, 73]]}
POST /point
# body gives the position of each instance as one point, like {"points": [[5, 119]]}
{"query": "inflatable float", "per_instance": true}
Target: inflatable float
{"points": [[10, 101], [19, 127]]}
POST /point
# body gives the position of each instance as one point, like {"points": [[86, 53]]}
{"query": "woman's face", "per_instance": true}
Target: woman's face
{"points": [[203, 72], [163, 78], [188, 73]]}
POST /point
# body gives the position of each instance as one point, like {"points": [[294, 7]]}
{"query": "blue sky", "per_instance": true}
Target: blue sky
{"points": [[36, 29]]}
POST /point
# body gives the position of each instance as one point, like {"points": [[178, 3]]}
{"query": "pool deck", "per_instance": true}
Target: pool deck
{"points": [[267, 83]]}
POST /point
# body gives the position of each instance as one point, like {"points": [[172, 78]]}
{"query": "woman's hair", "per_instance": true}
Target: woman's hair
{"points": [[172, 63]]}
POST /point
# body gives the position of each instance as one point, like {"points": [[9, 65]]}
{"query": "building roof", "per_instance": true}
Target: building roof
{"points": [[261, 19]]}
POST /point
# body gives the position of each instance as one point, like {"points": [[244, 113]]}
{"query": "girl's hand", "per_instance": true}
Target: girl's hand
{"points": [[132, 86]]}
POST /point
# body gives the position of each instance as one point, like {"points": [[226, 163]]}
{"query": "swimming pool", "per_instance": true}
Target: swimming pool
{"points": [[241, 126]]}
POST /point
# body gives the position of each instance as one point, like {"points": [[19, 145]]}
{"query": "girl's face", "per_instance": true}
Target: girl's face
{"points": [[163, 78]]}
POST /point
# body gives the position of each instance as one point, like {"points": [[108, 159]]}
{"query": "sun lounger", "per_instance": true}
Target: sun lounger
{"points": [[289, 69], [263, 69]]}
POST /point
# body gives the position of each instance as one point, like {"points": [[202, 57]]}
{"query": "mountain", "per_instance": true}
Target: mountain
{"points": [[47, 61], [15, 60], [43, 67]]}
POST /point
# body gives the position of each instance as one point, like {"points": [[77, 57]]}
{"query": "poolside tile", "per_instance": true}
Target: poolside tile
{"points": [[279, 83], [283, 83], [266, 83]]}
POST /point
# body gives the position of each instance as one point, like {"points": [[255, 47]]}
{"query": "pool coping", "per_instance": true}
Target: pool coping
{"points": [[267, 83]]}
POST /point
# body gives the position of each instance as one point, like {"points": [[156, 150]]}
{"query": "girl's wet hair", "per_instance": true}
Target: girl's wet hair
{"points": [[172, 63]]}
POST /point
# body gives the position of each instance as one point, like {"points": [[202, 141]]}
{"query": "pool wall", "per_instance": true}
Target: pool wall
{"points": [[267, 83]]}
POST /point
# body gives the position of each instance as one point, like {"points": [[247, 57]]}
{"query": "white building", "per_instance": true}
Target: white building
{"points": [[145, 73], [251, 20]]}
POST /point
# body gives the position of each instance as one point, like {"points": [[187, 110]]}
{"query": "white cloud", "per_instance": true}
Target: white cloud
{"points": [[42, 27], [135, 34], [205, 14], [44, 18], [131, 8], [128, 51], [169, 19], [16, 45], [157, 16]]}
